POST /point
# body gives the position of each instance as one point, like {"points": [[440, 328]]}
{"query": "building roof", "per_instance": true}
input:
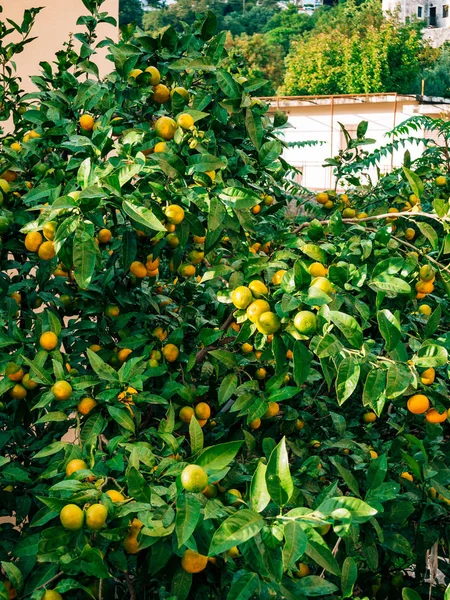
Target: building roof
{"points": [[339, 99]]}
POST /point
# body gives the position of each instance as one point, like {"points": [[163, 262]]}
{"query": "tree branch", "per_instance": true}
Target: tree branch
{"points": [[374, 218], [204, 351], [130, 586]]}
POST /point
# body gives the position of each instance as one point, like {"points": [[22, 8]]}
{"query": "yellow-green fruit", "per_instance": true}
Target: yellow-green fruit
{"points": [[51, 595], [268, 323], [322, 283], [256, 309], [305, 322], [96, 516], [165, 128], [194, 478], [71, 517], [155, 76], [258, 288], [241, 297]]}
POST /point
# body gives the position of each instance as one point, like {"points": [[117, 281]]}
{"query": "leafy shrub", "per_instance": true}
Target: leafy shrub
{"points": [[202, 394]]}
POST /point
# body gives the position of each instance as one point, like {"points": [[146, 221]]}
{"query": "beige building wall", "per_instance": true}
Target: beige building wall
{"points": [[53, 26]]}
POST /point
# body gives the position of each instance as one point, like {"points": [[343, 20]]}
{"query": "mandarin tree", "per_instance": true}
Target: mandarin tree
{"points": [[200, 398]]}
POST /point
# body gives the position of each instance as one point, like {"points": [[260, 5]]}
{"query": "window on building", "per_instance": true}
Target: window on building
{"points": [[445, 11], [420, 12]]}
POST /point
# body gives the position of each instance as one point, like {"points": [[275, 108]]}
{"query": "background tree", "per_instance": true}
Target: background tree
{"points": [[257, 59], [437, 75], [355, 49], [130, 11]]}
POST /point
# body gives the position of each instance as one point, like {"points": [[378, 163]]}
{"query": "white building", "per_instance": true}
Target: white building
{"points": [[435, 14], [318, 117]]}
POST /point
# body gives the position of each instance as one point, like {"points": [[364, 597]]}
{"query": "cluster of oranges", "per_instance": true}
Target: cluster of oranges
{"points": [[419, 404], [34, 242], [425, 285], [201, 411]]}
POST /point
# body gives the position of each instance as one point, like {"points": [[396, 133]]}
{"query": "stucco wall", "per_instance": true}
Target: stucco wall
{"points": [[53, 26], [319, 121]]}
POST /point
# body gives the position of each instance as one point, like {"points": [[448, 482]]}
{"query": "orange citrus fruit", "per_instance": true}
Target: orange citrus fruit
{"points": [[202, 410], [165, 128], [85, 405], [418, 404], [278, 276], [75, 465], [434, 416], [186, 413], [62, 390], [193, 562], [48, 340], [170, 352], [33, 240]]}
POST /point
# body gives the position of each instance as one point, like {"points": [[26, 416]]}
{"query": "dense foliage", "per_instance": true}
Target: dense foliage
{"points": [[203, 394], [352, 47]]}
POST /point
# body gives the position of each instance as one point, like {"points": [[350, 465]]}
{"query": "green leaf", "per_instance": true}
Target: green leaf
{"points": [[360, 511], [254, 128], [225, 357], [219, 456], [85, 252], [181, 584], [375, 389], [122, 417], [346, 475], [431, 355], [142, 216], [201, 63], [314, 252], [429, 232], [399, 377], [433, 322], [259, 494], [50, 450], [137, 486], [313, 585], [302, 362], [103, 370], [13, 573], [348, 577], [201, 163], [319, 552], [278, 475], [244, 586], [196, 436], [348, 326], [269, 152], [414, 181], [295, 544], [347, 379], [227, 388], [52, 416], [390, 328], [377, 472], [391, 286], [38, 373], [238, 528], [187, 516], [410, 594], [239, 198], [228, 85]]}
